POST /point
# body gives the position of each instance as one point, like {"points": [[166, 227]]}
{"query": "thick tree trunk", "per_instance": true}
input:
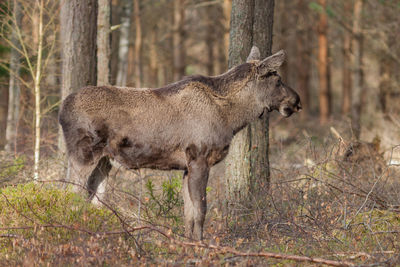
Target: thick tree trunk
{"points": [[178, 39], [247, 167], [358, 79], [259, 130], [103, 42], [323, 68], [78, 39], [237, 172], [14, 86]]}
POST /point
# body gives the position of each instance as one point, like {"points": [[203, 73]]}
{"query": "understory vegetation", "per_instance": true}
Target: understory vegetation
{"points": [[329, 199]]}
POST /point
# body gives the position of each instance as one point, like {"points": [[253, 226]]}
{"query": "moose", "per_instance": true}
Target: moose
{"points": [[187, 125]]}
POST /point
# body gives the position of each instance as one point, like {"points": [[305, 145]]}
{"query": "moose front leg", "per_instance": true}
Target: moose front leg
{"points": [[194, 194]]}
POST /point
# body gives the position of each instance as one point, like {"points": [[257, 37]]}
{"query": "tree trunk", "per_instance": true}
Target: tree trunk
{"points": [[247, 167], [323, 69], [178, 39], [209, 39], [103, 42], [124, 45], [303, 62], [135, 45], [153, 58], [115, 21], [346, 70], [283, 40], [37, 80], [14, 86], [358, 79], [259, 130], [78, 39], [138, 45], [223, 47]]}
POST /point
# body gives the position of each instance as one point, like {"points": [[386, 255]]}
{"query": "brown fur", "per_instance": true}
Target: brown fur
{"points": [[187, 125]]}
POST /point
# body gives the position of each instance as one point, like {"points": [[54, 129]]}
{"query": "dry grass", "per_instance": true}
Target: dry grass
{"points": [[320, 204]]}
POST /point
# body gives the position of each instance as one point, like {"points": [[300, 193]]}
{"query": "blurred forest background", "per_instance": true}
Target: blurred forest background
{"points": [[333, 182]]}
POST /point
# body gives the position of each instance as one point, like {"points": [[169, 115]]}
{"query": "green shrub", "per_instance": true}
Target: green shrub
{"points": [[10, 168], [166, 204], [60, 215]]}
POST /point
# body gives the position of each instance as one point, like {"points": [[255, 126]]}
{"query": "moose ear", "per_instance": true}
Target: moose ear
{"points": [[271, 63], [254, 54]]}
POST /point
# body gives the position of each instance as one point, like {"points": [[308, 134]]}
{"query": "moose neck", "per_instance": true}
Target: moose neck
{"points": [[239, 98], [243, 108]]}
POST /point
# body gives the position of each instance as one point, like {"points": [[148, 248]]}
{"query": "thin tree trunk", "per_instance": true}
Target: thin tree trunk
{"points": [[178, 39], [358, 79], [115, 21], [14, 86], [103, 42], [303, 62], [346, 70], [3, 115], [138, 44], [385, 87], [124, 45], [37, 92], [78, 39], [223, 47], [284, 69], [153, 57], [210, 26], [323, 70]]}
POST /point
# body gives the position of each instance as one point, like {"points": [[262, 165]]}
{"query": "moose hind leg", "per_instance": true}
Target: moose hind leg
{"points": [[196, 185], [97, 177]]}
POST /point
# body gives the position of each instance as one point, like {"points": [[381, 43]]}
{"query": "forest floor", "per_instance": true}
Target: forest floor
{"points": [[330, 202]]}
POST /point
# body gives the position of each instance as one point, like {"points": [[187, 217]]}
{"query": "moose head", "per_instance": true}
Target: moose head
{"points": [[271, 92]]}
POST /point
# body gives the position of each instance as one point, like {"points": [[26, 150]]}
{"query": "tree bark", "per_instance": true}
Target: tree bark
{"points": [[78, 28], [103, 42], [237, 172], [178, 39], [153, 58], [138, 44], [14, 86], [346, 73], [358, 79], [323, 68], [135, 45], [303, 62], [37, 88], [247, 167], [259, 130], [209, 39], [124, 45], [115, 21]]}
